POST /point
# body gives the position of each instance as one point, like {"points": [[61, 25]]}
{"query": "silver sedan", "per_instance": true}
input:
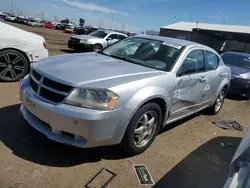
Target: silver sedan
{"points": [[124, 94]]}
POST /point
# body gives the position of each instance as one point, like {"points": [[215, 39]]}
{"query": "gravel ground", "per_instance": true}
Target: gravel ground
{"points": [[189, 153]]}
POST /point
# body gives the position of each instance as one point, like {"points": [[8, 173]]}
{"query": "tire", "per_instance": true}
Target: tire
{"points": [[13, 65], [128, 142], [213, 110], [97, 47]]}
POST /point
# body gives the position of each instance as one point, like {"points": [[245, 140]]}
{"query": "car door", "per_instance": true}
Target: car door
{"points": [[214, 74], [190, 88]]}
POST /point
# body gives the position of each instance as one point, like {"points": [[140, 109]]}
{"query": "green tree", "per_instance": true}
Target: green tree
{"points": [[81, 22]]}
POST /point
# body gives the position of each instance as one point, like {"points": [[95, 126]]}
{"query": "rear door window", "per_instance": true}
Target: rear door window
{"points": [[212, 60]]}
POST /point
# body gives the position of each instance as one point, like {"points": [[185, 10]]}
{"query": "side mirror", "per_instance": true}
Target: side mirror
{"points": [[108, 39]]}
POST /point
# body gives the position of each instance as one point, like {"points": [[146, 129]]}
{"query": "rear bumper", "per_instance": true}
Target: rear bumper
{"points": [[241, 88]]}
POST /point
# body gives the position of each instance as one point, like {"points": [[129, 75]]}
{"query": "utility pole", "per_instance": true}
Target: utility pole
{"points": [[42, 16], [190, 19], [17, 12], [122, 27], [174, 19], [112, 20], [100, 24], [12, 7]]}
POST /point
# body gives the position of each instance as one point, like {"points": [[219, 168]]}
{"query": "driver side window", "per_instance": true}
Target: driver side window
{"points": [[193, 63], [113, 36]]}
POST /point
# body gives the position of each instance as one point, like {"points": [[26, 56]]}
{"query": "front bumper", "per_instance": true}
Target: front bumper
{"points": [[71, 125], [241, 88], [80, 46]]}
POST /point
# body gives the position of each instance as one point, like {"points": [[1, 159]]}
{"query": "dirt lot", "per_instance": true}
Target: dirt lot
{"points": [[186, 154]]}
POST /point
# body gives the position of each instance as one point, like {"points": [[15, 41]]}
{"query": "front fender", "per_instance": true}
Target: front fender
{"points": [[144, 95]]}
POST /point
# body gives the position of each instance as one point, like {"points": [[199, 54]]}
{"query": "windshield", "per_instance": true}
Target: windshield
{"points": [[236, 60], [155, 54], [99, 34]]}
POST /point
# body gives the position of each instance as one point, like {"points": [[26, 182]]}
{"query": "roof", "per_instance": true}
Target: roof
{"points": [[189, 26], [114, 32], [168, 39]]}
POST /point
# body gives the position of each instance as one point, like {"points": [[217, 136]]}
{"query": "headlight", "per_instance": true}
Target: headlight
{"points": [[99, 99], [85, 41]]}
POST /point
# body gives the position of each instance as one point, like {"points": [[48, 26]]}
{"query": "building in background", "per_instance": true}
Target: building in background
{"points": [[221, 37]]}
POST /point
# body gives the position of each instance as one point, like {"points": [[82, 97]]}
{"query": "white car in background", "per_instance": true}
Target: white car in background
{"points": [[19, 49]]}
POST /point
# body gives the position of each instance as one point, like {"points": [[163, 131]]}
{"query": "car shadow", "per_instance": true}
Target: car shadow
{"points": [[69, 51], [206, 167], [29, 144]]}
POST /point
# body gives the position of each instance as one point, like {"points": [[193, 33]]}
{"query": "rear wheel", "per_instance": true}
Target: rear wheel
{"points": [[142, 129], [215, 109], [13, 65]]}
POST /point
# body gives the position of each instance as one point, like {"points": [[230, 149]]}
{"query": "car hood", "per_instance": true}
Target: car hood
{"points": [[92, 70], [239, 70], [85, 37], [10, 31]]}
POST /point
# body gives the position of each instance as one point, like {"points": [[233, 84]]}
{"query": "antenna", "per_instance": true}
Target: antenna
{"points": [[12, 6], [112, 20], [191, 16]]}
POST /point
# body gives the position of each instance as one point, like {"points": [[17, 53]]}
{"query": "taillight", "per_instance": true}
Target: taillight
{"points": [[45, 45]]}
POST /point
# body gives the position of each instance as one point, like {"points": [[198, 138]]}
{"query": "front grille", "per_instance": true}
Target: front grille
{"points": [[75, 40], [48, 89]]}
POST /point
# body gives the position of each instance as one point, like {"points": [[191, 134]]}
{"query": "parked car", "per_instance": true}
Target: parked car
{"points": [[79, 30], [40, 23], [69, 28], [10, 18], [32, 23], [239, 166], [124, 94], [60, 26], [20, 19], [49, 25], [90, 30], [95, 41], [240, 66], [18, 51]]}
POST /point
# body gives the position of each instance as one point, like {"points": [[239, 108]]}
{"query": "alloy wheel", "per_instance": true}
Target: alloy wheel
{"points": [[96, 48], [145, 129], [11, 66], [219, 101]]}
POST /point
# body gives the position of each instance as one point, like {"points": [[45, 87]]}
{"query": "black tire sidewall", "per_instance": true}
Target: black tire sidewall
{"points": [[100, 47], [128, 139], [26, 65]]}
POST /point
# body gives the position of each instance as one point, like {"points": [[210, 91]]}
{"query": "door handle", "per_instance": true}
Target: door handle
{"points": [[202, 79]]}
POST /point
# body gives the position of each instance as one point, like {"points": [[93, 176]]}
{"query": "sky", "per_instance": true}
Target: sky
{"points": [[136, 15]]}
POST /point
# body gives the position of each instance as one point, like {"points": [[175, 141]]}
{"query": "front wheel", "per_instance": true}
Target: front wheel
{"points": [[13, 65], [97, 47], [142, 129], [215, 109]]}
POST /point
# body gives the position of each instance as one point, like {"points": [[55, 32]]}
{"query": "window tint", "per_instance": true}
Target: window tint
{"points": [[193, 63], [113, 36], [212, 61], [121, 37]]}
